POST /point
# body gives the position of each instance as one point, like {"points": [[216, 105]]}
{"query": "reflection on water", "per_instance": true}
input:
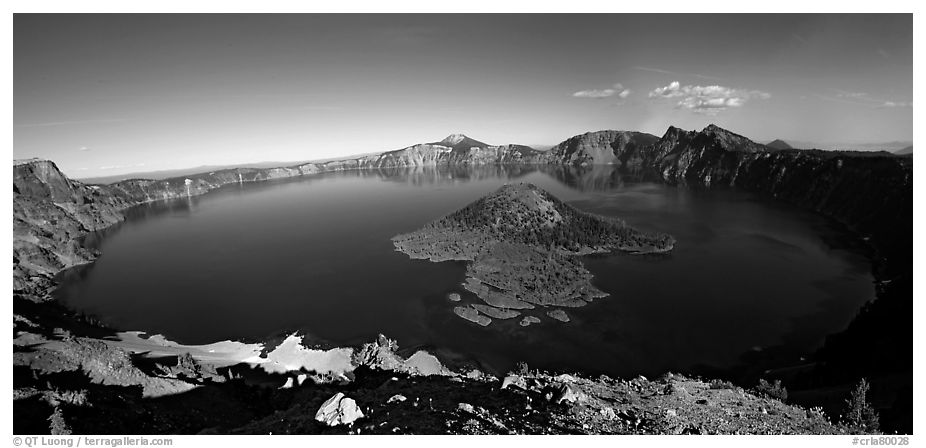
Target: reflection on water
{"points": [[599, 177], [314, 253]]}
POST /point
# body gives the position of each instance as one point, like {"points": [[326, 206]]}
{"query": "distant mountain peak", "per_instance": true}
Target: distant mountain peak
{"points": [[714, 129], [673, 132], [731, 141], [460, 141], [454, 139], [779, 144]]}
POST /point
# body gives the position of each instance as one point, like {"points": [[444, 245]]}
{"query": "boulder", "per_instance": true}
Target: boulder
{"points": [[567, 392], [338, 410], [397, 398], [565, 378], [453, 297], [527, 320], [608, 413], [514, 380]]}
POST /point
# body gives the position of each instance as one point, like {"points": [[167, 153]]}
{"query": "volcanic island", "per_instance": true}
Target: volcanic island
{"points": [[522, 246]]}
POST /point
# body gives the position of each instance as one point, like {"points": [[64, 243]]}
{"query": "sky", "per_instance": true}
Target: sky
{"points": [[105, 94]]}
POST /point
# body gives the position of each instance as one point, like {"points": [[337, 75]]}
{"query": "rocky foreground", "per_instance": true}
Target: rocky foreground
{"points": [[521, 244], [71, 375]]}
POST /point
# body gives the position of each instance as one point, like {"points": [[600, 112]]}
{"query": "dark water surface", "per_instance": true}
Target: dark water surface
{"points": [[246, 262]]}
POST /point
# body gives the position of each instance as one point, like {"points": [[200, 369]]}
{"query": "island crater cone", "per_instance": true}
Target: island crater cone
{"points": [[522, 245]]}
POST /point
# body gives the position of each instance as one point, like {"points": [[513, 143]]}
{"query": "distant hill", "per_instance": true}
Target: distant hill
{"points": [[851, 146], [904, 151], [167, 174], [779, 144]]}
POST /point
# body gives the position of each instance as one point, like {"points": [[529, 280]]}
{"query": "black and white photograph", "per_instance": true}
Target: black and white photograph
{"points": [[459, 223]]}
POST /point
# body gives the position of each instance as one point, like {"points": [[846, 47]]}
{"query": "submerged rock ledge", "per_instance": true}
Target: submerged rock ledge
{"points": [[521, 243]]}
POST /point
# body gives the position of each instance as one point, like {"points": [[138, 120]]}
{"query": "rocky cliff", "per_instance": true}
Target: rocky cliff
{"points": [[870, 192], [622, 148], [51, 214], [456, 149]]}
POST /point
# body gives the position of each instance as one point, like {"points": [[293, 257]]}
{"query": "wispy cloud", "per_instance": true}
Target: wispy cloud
{"points": [[594, 93], [617, 89], [670, 72], [709, 100], [862, 99], [68, 123], [845, 94], [897, 104], [83, 148]]}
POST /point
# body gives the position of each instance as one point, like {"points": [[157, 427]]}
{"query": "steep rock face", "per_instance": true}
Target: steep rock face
{"points": [[50, 215], [681, 153], [138, 191], [869, 192], [40, 180], [426, 154], [456, 149], [601, 148]]}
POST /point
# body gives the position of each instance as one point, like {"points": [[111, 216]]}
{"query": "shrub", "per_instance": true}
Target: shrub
{"points": [[860, 416], [772, 390]]}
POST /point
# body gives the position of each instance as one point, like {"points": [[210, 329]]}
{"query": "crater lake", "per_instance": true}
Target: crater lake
{"points": [[251, 262]]}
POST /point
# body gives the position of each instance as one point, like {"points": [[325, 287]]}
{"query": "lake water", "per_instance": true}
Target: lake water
{"points": [[314, 254]]}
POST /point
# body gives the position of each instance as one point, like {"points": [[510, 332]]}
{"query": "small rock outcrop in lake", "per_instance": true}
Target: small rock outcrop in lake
{"points": [[471, 314], [338, 410], [559, 315], [528, 320], [397, 398], [522, 244]]}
